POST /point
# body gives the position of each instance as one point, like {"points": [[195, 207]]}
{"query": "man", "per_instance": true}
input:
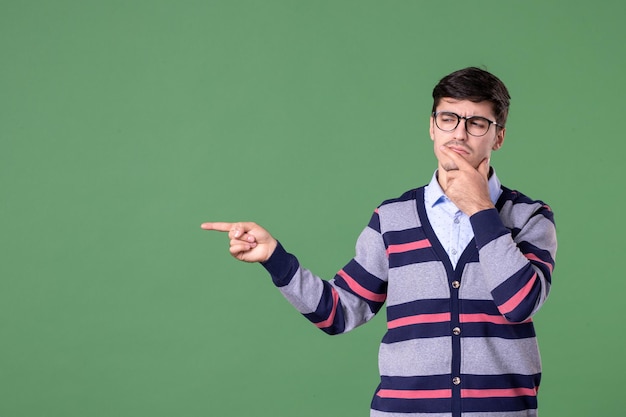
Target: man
{"points": [[462, 263]]}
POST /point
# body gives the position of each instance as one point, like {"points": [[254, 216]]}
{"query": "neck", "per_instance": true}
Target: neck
{"points": [[442, 178]]}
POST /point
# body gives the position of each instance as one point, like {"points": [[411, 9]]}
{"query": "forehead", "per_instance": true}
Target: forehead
{"points": [[466, 107]]}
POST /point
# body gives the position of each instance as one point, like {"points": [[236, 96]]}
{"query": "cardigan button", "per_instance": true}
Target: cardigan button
{"points": [[456, 380], [456, 331], [456, 284]]}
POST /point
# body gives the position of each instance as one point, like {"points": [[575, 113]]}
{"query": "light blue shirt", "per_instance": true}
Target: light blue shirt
{"points": [[451, 225]]}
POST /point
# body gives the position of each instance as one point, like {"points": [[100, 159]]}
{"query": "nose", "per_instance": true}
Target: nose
{"points": [[460, 133]]}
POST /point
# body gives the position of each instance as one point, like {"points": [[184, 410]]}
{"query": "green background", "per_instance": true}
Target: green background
{"points": [[125, 124]]}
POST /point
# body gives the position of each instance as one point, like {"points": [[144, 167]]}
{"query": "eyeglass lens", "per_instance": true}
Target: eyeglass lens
{"points": [[476, 126]]}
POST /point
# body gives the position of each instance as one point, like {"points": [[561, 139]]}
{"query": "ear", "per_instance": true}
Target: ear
{"points": [[432, 128], [499, 139]]}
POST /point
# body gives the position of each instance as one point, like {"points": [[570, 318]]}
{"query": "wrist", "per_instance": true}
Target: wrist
{"points": [[487, 227], [478, 208], [271, 248]]}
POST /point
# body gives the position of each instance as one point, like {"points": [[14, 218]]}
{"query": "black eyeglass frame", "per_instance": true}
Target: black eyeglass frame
{"points": [[458, 120]]}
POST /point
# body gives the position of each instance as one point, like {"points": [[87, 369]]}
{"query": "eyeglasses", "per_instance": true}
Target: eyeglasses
{"points": [[475, 125]]}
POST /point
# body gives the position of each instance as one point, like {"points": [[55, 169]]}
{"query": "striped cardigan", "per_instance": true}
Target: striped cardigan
{"points": [[459, 342]]}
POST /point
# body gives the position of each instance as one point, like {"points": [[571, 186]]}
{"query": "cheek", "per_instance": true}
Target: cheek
{"points": [[486, 151], [481, 151]]}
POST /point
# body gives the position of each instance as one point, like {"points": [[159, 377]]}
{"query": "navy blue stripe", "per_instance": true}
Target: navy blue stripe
{"points": [[397, 260], [413, 308], [516, 197], [495, 405], [415, 382], [544, 255], [374, 222], [399, 237], [479, 306], [325, 308], [393, 405], [407, 196], [544, 211], [513, 284], [469, 255], [456, 340], [501, 381], [417, 331], [487, 227], [366, 280], [513, 196], [282, 266], [503, 331], [503, 292]]}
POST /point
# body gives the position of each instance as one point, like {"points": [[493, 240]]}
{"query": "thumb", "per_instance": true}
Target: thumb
{"points": [[483, 168]]}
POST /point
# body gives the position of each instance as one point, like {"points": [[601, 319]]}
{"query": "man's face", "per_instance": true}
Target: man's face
{"points": [[474, 149]]}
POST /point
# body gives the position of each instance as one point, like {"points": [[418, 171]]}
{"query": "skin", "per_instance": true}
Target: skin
{"points": [[249, 242], [463, 159], [463, 172]]}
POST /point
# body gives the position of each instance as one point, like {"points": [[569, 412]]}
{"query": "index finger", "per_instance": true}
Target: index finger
{"points": [[218, 226]]}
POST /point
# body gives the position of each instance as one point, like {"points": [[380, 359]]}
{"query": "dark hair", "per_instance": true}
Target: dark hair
{"points": [[476, 85]]}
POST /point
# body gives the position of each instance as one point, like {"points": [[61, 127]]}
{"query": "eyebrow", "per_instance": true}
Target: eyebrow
{"points": [[467, 117]]}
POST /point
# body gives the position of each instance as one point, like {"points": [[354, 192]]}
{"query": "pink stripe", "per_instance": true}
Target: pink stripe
{"points": [[419, 319], [405, 247], [519, 297], [505, 392], [357, 288], [329, 321], [485, 318], [415, 394], [533, 257]]}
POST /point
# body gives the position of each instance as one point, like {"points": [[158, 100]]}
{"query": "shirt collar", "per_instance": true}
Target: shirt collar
{"points": [[433, 194]]}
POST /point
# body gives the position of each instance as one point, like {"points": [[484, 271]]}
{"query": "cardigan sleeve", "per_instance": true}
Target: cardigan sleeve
{"points": [[517, 248], [351, 298]]}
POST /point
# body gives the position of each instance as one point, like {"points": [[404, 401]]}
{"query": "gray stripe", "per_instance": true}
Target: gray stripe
{"points": [[304, 292], [495, 356], [376, 413], [518, 215], [370, 253], [498, 268], [417, 282], [524, 413], [473, 285], [416, 357], [398, 216]]}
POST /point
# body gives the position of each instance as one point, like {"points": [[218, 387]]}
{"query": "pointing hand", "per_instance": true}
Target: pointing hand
{"points": [[249, 242]]}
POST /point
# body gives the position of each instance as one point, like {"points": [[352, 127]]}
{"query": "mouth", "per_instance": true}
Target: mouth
{"points": [[459, 150]]}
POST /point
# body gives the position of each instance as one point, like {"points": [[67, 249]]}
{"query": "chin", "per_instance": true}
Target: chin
{"points": [[450, 167]]}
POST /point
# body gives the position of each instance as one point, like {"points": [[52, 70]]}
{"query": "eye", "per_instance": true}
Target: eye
{"points": [[448, 117], [478, 122]]}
